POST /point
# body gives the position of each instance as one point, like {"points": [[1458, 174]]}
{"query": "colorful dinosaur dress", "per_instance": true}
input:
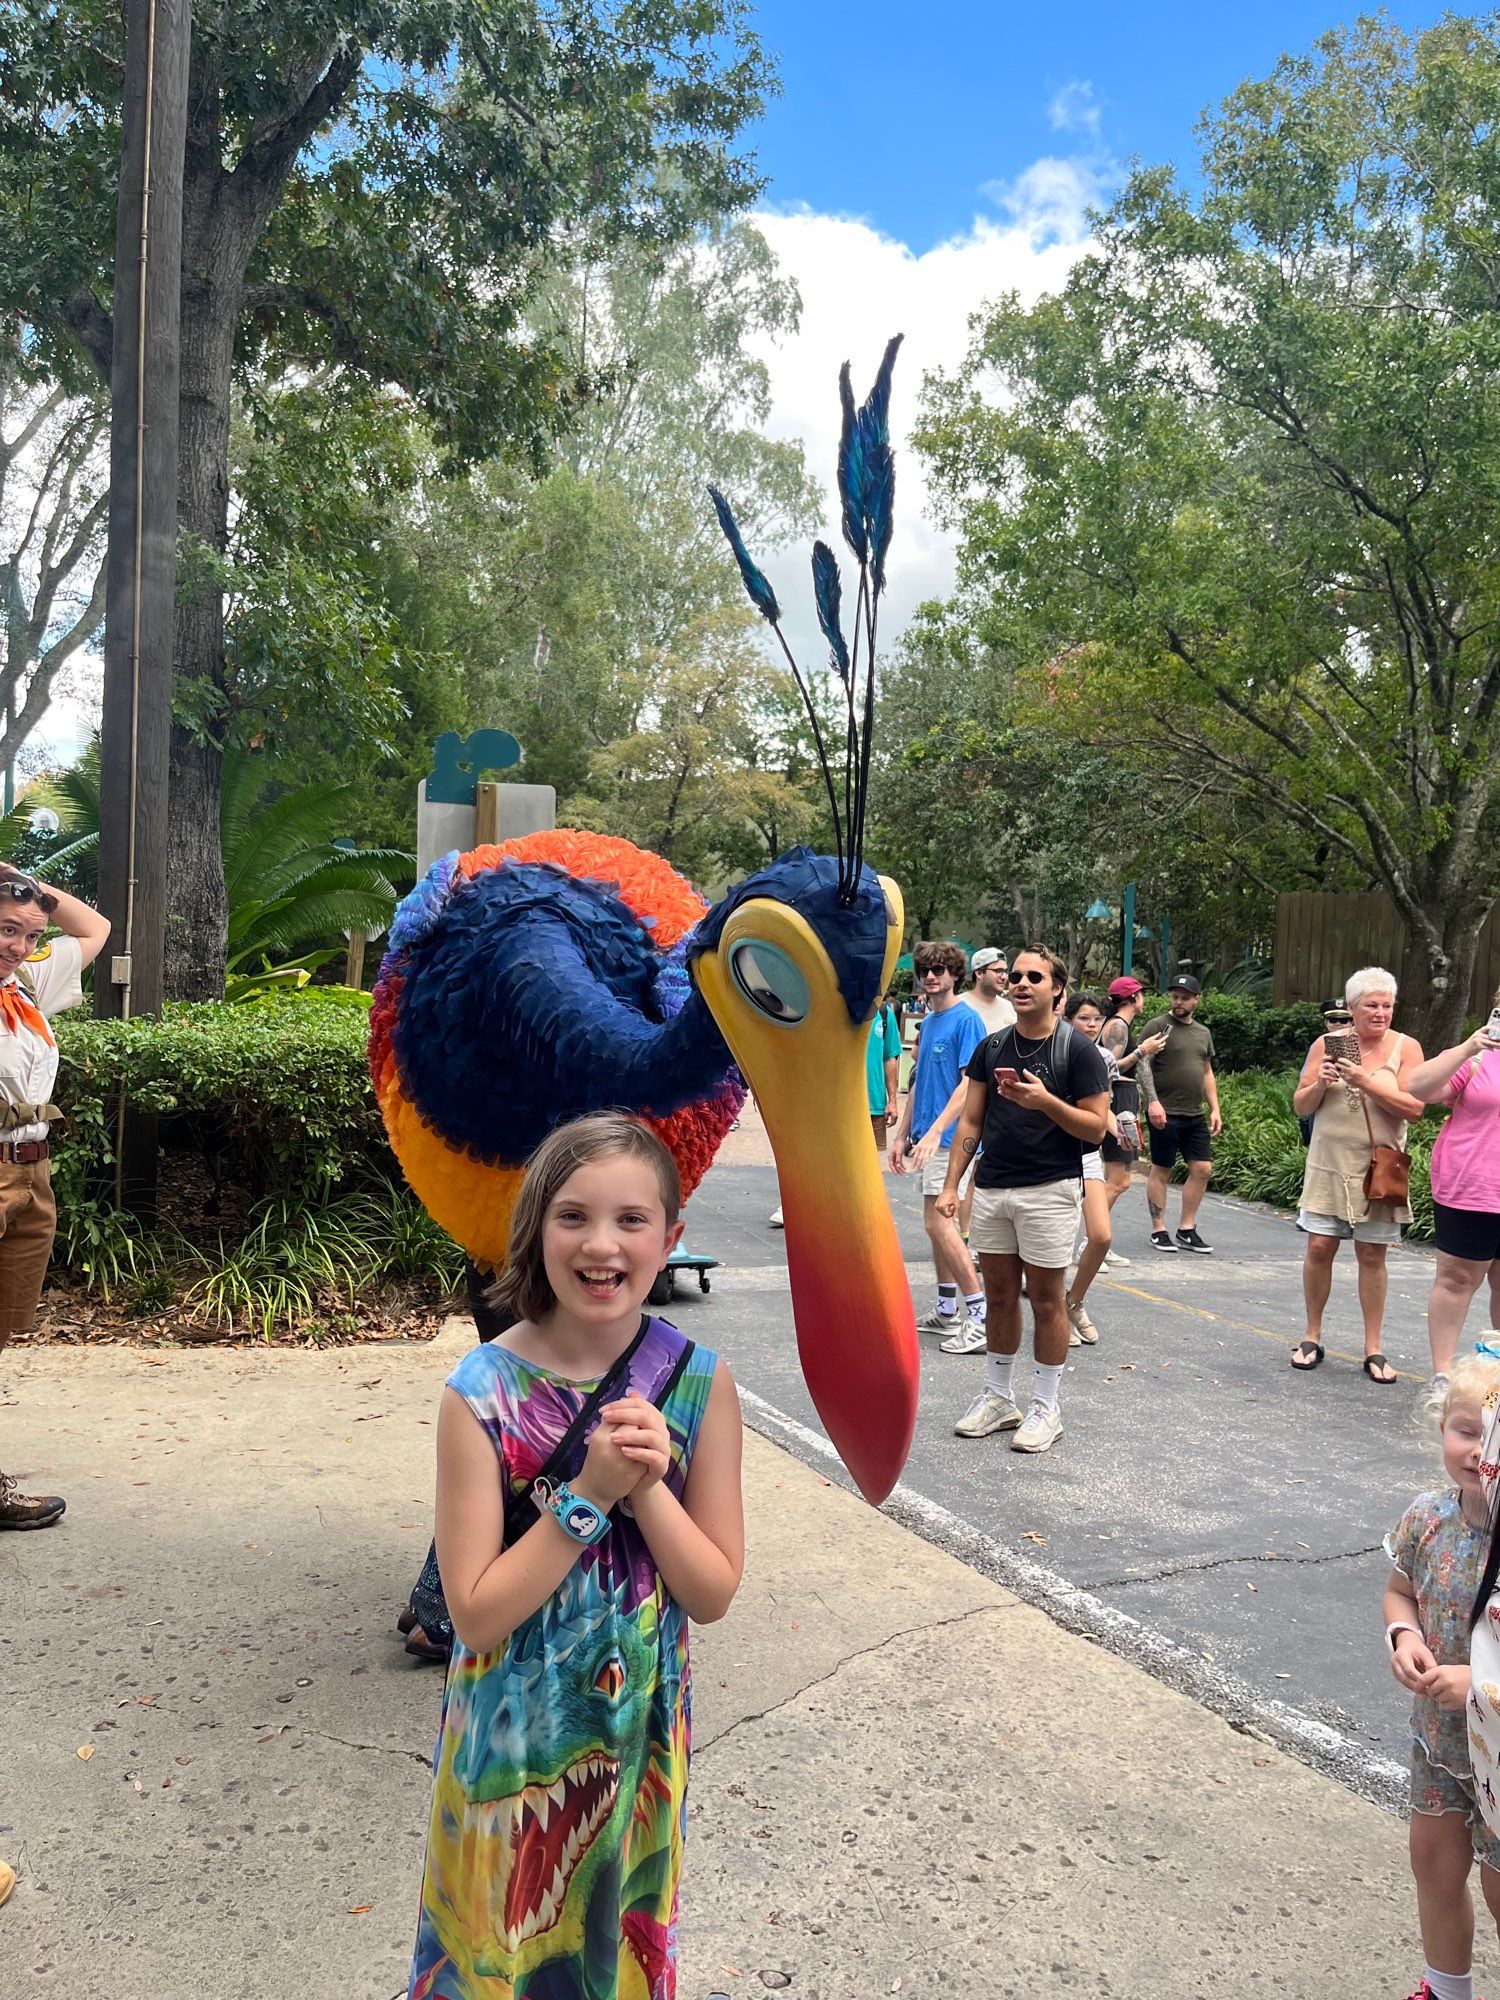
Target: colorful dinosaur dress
{"points": [[560, 1778]]}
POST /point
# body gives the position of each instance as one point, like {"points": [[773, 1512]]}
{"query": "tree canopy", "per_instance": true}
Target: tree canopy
{"points": [[373, 187], [1225, 499]]}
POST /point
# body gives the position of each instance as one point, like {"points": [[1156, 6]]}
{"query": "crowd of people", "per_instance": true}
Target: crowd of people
{"points": [[1029, 1107], [1035, 1111]]}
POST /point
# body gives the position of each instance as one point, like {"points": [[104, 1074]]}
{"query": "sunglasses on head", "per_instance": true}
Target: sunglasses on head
{"points": [[21, 889], [1036, 978]]}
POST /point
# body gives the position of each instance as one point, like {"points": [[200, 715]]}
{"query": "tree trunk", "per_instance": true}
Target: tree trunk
{"points": [[1441, 954], [197, 919]]}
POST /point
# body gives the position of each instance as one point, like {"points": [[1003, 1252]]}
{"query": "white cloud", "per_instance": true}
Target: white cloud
{"points": [[858, 287], [1075, 108]]}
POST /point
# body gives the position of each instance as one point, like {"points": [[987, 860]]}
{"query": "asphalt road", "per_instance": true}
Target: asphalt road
{"points": [[1223, 1504]]}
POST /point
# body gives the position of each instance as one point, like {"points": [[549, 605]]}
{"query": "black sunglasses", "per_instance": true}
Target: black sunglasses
{"points": [[1036, 978], [21, 889]]}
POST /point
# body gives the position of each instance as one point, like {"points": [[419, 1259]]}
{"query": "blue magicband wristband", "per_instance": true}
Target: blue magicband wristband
{"points": [[580, 1520]]}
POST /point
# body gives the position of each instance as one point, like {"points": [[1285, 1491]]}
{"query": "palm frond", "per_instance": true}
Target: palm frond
{"points": [[243, 777], [273, 929], [310, 817]]}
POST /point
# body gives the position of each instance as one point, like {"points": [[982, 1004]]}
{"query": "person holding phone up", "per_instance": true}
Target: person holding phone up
{"points": [[1465, 1184], [1037, 1095], [1358, 1093]]}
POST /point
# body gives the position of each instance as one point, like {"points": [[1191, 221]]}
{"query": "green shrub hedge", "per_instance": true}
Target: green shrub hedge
{"points": [[1249, 1035], [280, 1201]]}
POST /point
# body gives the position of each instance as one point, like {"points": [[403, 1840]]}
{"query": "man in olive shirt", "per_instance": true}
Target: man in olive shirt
{"points": [[1176, 1083]]}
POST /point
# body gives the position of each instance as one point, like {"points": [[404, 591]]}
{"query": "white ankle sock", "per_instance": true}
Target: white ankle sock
{"points": [[947, 1300], [974, 1305], [1044, 1386], [999, 1374], [1449, 1985]]}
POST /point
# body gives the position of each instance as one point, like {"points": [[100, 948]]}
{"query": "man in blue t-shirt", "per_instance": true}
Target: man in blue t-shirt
{"points": [[951, 1031]]}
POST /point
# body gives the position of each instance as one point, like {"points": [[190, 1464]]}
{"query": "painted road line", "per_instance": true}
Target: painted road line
{"points": [[1319, 1744]]}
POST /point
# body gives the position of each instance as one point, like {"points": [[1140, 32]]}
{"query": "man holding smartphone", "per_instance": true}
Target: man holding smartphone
{"points": [[1176, 1083], [1037, 1095]]}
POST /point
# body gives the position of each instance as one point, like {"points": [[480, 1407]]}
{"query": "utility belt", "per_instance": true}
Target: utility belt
{"points": [[24, 1152]]}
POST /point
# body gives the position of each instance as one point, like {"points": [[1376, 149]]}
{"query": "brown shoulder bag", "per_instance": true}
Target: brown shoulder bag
{"points": [[1388, 1176]]}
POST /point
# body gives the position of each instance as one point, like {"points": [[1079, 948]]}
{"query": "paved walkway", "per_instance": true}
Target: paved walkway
{"points": [[907, 1781]]}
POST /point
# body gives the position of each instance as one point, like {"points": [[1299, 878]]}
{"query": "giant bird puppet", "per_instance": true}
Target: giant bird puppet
{"points": [[565, 973]]}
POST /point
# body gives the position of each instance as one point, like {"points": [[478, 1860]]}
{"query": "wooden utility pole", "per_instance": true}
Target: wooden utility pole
{"points": [[142, 561]]}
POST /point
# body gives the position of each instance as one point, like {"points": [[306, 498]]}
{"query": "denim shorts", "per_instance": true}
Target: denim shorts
{"points": [[1374, 1231]]}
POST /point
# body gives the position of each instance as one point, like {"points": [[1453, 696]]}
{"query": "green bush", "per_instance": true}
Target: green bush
{"points": [[1260, 1154], [1248, 1035], [281, 1205], [279, 1087]]}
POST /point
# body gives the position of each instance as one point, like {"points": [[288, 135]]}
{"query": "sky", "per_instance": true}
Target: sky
{"points": [[922, 160]]}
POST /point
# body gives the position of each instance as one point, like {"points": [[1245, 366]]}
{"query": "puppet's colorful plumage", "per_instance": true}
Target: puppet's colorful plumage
{"points": [[569, 972]]}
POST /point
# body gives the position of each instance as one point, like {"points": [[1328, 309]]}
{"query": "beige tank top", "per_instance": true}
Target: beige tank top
{"points": [[1334, 1183]]}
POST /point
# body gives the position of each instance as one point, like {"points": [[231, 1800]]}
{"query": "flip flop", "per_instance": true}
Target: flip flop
{"points": [[1312, 1347], [1377, 1360]]}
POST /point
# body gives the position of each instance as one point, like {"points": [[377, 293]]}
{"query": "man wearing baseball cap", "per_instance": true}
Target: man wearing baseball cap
{"points": [[1176, 1083], [990, 969]]}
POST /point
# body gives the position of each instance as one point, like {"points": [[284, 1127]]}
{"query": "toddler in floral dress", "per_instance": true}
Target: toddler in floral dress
{"points": [[1438, 1548]]}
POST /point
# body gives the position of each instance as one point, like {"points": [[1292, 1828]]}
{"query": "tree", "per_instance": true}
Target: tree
{"points": [[370, 186], [697, 781], [534, 602], [54, 479], [1226, 498]]}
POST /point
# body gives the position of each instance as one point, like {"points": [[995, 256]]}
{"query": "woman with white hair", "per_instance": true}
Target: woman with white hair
{"points": [[1355, 1104]]}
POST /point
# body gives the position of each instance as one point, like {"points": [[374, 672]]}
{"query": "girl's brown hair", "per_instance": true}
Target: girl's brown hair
{"points": [[522, 1289]]}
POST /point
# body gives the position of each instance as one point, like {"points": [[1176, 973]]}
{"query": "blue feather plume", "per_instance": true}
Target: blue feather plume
{"points": [[851, 470], [867, 468], [757, 588], [828, 592]]}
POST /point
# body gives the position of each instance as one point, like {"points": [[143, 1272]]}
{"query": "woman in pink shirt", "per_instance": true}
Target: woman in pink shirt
{"points": [[1465, 1185]]}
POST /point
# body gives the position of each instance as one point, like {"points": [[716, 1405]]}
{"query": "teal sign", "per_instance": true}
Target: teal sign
{"points": [[458, 760]]}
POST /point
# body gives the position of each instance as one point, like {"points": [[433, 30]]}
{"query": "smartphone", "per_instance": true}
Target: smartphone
{"points": [[1342, 1046], [1492, 1025], [1007, 1076]]}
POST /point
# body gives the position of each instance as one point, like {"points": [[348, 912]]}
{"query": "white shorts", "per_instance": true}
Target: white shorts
{"points": [[935, 1173], [1093, 1167], [1037, 1224]]}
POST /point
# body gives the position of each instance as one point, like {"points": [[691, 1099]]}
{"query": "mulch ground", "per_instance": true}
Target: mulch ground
{"points": [[207, 1209]]}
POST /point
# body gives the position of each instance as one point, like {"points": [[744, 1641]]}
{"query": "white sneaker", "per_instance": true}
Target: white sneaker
{"points": [[937, 1322], [775, 1217], [1041, 1430], [989, 1412], [968, 1338], [1115, 1260]]}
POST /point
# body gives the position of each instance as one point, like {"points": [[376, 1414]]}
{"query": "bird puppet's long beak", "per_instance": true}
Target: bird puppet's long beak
{"points": [[773, 991]]}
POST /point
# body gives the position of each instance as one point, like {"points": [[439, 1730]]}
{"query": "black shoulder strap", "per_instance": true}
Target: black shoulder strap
{"points": [[1061, 1053]]}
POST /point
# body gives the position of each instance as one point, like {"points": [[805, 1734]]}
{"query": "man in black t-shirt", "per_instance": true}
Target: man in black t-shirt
{"points": [[1038, 1094]]}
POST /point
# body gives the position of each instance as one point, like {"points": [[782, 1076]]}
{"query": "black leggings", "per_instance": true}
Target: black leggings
{"points": [[428, 1605]]}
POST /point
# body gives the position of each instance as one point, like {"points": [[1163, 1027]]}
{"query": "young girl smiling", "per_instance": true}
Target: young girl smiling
{"points": [[588, 1505]]}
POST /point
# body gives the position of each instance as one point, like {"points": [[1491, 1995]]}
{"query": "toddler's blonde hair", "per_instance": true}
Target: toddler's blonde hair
{"points": [[1473, 1378]]}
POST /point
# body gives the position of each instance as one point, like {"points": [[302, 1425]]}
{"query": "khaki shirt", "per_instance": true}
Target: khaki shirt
{"points": [[53, 977]]}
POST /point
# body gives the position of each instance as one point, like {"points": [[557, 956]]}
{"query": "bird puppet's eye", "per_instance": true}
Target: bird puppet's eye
{"points": [[768, 978]]}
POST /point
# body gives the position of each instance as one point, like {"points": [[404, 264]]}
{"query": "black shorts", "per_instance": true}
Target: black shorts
{"points": [[1470, 1233], [1188, 1136], [1114, 1154]]}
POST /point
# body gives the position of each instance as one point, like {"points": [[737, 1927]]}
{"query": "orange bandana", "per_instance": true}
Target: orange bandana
{"points": [[19, 1012]]}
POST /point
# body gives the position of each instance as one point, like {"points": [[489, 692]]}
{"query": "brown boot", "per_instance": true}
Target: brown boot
{"points": [[21, 1510]]}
